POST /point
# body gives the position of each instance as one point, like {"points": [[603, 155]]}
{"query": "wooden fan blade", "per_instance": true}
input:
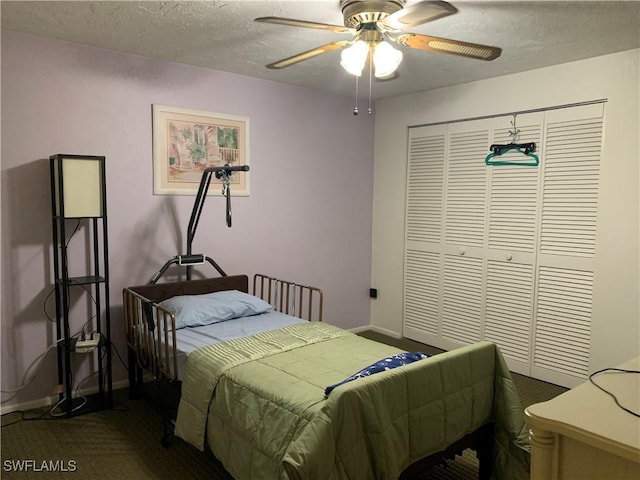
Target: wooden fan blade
{"points": [[418, 14], [286, 62], [303, 23], [444, 45]]}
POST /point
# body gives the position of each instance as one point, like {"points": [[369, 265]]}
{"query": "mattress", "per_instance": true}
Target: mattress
{"points": [[190, 339]]}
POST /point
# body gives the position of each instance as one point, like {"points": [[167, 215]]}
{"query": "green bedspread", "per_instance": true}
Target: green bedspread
{"points": [[259, 402]]}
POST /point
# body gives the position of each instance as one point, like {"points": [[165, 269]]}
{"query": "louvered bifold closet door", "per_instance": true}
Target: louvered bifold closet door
{"points": [[512, 232], [506, 253], [423, 235], [464, 233], [566, 259]]}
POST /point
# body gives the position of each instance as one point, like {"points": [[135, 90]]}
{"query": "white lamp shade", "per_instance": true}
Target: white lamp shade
{"points": [[385, 59], [81, 183], [353, 58]]}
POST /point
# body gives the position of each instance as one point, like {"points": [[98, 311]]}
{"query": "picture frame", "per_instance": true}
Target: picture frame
{"points": [[186, 141]]}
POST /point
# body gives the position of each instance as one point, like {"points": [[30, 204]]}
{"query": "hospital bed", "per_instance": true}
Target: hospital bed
{"points": [[253, 388]]}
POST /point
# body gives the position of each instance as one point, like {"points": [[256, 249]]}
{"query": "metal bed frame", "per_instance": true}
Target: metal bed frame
{"points": [[151, 333], [150, 328]]}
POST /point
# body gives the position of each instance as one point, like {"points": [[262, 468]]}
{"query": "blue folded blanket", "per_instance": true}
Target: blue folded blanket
{"points": [[380, 366]]}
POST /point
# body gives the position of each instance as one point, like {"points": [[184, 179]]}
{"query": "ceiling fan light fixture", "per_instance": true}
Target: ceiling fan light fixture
{"points": [[353, 58], [385, 59]]}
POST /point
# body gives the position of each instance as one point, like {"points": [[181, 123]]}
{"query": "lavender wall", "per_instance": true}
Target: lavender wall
{"points": [[308, 218]]}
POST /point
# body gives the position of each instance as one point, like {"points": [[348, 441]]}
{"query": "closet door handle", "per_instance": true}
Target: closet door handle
{"points": [[509, 257], [462, 252]]}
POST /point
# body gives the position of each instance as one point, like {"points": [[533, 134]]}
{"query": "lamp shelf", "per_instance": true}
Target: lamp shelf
{"points": [[86, 280]]}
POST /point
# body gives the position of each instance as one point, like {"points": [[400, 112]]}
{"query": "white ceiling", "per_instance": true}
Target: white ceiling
{"points": [[221, 34]]}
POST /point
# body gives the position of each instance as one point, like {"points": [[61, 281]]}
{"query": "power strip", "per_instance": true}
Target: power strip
{"points": [[88, 345]]}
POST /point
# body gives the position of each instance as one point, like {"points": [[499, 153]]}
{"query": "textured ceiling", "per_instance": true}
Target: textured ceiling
{"points": [[222, 35]]}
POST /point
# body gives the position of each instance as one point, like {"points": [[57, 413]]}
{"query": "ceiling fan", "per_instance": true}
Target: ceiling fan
{"points": [[373, 24]]}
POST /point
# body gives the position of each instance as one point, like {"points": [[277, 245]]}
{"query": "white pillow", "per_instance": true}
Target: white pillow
{"points": [[199, 310]]}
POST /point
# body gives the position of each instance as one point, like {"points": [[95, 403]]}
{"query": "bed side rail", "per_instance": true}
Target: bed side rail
{"points": [[151, 334], [288, 297]]}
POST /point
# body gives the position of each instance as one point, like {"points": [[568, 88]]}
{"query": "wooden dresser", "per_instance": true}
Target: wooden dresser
{"points": [[583, 435]]}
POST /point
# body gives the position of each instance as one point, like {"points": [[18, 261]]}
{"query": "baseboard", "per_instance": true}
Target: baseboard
{"points": [[383, 331], [53, 399], [360, 329]]}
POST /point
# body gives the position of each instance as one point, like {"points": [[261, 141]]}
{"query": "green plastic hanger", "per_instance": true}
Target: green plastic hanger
{"points": [[524, 148]]}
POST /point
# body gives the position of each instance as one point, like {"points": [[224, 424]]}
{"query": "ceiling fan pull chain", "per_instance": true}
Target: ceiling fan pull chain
{"points": [[355, 108], [370, 82]]}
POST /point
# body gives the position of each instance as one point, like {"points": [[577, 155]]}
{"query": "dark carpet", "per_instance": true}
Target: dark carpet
{"points": [[124, 442]]}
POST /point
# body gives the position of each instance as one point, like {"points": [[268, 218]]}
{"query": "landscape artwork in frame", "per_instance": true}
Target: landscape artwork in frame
{"points": [[186, 142]]}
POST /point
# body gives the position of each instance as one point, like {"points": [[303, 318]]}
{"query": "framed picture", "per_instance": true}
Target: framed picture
{"points": [[185, 142]]}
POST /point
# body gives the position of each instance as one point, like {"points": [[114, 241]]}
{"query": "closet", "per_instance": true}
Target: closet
{"points": [[505, 253]]}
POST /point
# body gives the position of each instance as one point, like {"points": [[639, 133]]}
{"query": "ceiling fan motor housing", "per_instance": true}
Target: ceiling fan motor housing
{"points": [[358, 12]]}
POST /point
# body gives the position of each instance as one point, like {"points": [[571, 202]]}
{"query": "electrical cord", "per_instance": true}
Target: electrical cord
{"points": [[64, 414], [122, 407], [126, 367], [37, 362], [49, 413], [77, 390], [81, 382], [65, 291], [77, 395], [86, 289], [64, 399], [73, 233], [615, 399], [44, 306], [22, 413], [46, 299]]}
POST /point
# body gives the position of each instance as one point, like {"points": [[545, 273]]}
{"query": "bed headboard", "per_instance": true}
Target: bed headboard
{"points": [[149, 325], [162, 291]]}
